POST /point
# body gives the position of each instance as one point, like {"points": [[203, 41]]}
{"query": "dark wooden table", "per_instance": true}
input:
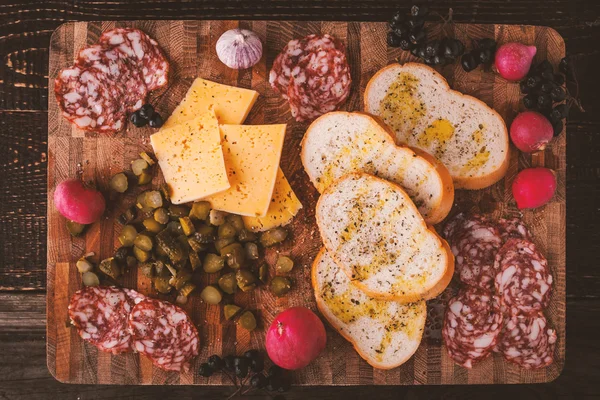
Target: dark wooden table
{"points": [[25, 30]]}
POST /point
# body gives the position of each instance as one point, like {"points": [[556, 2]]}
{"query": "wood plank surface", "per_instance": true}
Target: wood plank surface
{"points": [[95, 157]]}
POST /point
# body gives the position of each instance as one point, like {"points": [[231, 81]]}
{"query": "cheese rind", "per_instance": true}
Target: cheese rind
{"points": [[230, 104], [191, 158], [283, 208], [252, 154]]}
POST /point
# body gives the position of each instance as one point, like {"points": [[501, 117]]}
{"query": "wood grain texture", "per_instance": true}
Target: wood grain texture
{"points": [[189, 45]]}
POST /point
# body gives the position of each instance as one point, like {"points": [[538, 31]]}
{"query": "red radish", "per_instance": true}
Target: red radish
{"points": [[531, 131], [534, 187], [513, 60], [296, 337], [79, 203]]}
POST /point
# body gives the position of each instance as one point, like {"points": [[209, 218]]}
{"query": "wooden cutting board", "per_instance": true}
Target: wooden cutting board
{"points": [[190, 47]]}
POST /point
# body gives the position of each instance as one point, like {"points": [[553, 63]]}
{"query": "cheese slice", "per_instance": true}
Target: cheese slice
{"points": [[252, 154], [283, 208], [191, 158], [230, 104]]}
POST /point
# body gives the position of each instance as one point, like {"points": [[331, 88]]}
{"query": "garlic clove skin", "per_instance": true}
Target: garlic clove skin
{"points": [[239, 48]]}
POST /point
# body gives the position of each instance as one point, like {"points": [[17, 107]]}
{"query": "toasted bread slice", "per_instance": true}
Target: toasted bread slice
{"points": [[385, 333], [338, 143], [376, 235], [466, 135]]}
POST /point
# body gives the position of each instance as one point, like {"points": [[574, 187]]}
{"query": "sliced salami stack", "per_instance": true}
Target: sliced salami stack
{"points": [[110, 80], [507, 285], [313, 75], [119, 320]]}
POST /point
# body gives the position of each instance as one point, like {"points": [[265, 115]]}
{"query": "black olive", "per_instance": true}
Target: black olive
{"points": [[205, 370], [558, 94], [547, 87], [563, 65], [562, 110], [393, 40], [241, 371], [558, 128], [416, 37], [398, 17], [523, 87], [156, 121], [251, 354], [401, 29], [421, 52], [215, 362], [228, 360], [544, 102], [559, 79], [468, 62], [530, 101], [415, 51], [275, 370], [405, 44], [258, 381], [146, 111], [121, 255], [439, 60], [452, 48], [548, 75], [429, 61], [432, 48], [486, 56], [534, 81], [416, 23], [137, 120], [419, 11], [487, 43]]}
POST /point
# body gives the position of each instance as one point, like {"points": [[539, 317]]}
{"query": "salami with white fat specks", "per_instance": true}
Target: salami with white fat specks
{"points": [[513, 228], [313, 74], [523, 282], [89, 99], [474, 242], [527, 341], [140, 48], [164, 333], [100, 316], [472, 325]]}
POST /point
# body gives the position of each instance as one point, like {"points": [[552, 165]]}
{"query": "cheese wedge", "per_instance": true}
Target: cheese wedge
{"points": [[252, 154], [283, 208], [230, 104], [385, 333], [191, 158]]}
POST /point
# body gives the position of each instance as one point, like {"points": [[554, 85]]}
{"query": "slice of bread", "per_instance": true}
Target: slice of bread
{"points": [[466, 135], [385, 333], [376, 235], [338, 143]]}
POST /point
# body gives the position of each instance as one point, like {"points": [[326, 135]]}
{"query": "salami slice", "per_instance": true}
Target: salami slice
{"points": [[134, 297], [475, 250], [320, 84], [164, 333], [281, 72], [100, 316], [454, 228], [138, 46], [472, 325], [523, 281], [528, 341], [88, 99], [125, 74], [513, 228]]}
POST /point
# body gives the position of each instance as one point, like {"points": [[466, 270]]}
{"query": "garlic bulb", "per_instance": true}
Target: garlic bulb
{"points": [[239, 48]]}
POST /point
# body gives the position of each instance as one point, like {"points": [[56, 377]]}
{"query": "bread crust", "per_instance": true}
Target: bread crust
{"points": [[322, 309], [402, 298], [444, 205], [469, 183]]}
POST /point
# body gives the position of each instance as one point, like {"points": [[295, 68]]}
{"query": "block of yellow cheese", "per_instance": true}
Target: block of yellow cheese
{"points": [[283, 208], [252, 154], [191, 158], [230, 104]]}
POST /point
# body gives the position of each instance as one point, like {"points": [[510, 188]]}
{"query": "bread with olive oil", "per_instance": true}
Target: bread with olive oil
{"points": [[374, 232], [385, 333], [339, 142], [466, 135]]}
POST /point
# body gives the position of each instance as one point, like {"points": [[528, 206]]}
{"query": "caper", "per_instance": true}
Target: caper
{"points": [[146, 157], [196, 245], [217, 217], [211, 295], [143, 242], [213, 263], [187, 226], [161, 284], [246, 280], [230, 311], [165, 191], [90, 279], [140, 202], [247, 321], [175, 228], [236, 256], [138, 166], [83, 265], [144, 178], [228, 283], [187, 289], [226, 231], [280, 286], [141, 255], [128, 235], [236, 221], [161, 216], [170, 246], [273, 236], [284, 265], [205, 234], [200, 210], [178, 211], [74, 228], [220, 243], [119, 183], [195, 262], [245, 235], [181, 299], [153, 199], [152, 225], [182, 277], [251, 250]]}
